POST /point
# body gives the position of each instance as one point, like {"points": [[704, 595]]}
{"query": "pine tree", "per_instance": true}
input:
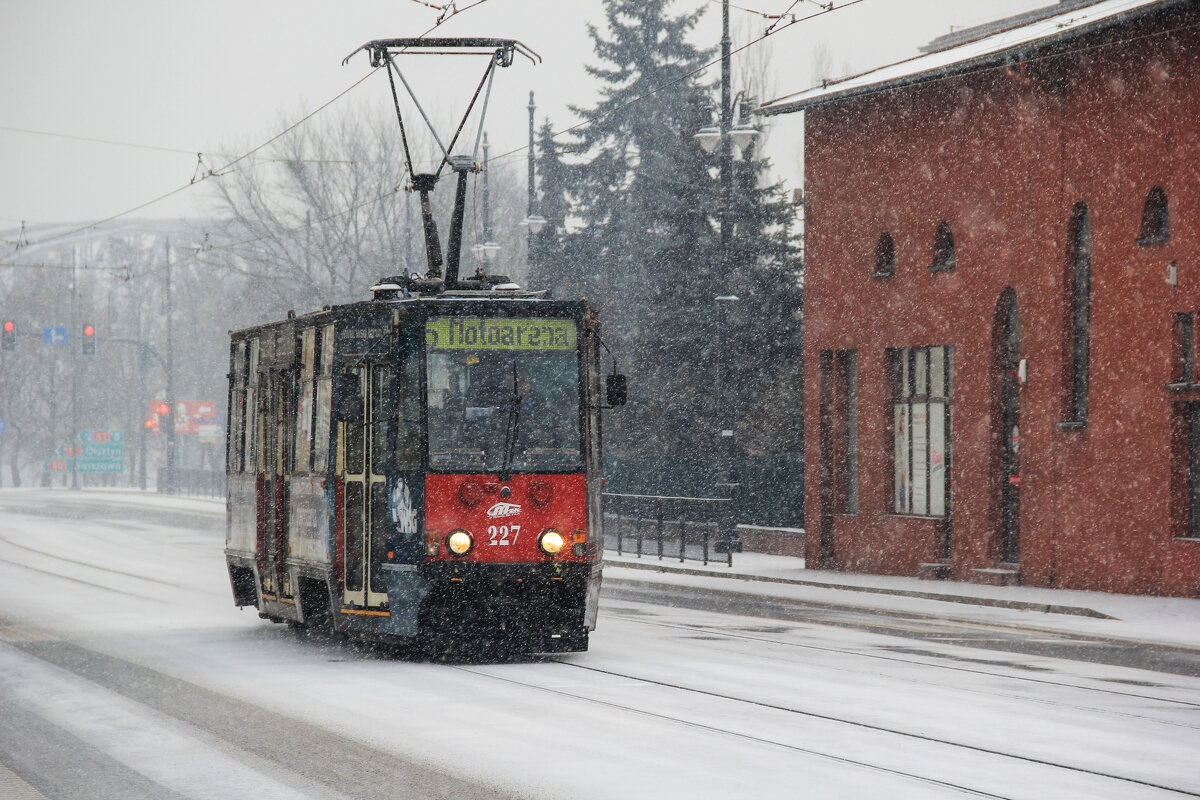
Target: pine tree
{"points": [[645, 207], [637, 200], [554, 175]]}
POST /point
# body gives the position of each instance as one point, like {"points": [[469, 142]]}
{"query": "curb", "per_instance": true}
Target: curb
{"points": [[1018, 605]]}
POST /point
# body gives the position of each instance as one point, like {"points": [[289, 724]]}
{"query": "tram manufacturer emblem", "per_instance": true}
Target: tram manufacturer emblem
{"points": [[504, 510]]}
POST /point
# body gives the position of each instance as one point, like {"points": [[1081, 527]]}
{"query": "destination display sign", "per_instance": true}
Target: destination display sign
{"points": [[364, 336], [500, 333]]}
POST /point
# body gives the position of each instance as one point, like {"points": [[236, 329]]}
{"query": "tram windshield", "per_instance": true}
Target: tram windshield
{"points": [[503, 394]]}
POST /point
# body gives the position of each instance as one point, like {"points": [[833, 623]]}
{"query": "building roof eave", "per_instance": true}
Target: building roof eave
{"points": [[992, 51]]}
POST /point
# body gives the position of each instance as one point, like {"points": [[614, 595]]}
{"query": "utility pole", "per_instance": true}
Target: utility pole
{"points": [[169, 422], [727, 483], [75, 363]]}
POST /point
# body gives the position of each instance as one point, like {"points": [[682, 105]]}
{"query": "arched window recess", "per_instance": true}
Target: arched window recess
{"points": [[943, 249], [885, 257], [1156, 219]]}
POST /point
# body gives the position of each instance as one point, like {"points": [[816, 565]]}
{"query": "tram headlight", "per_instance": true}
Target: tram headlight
{"points": [[460, 542], [551, 542]]}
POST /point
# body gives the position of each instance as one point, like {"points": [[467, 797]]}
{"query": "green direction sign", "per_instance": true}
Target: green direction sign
{"points": [[97, 451]]}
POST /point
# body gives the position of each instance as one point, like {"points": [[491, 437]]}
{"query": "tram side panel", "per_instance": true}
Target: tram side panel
{"points": [[241, 476]]}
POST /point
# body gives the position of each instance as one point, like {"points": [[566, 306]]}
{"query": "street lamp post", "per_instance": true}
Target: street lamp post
{"points": [[487, 251], [725, 138], [533, 222]]}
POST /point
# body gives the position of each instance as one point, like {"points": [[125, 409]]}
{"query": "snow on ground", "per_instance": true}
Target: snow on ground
{"points": [[667, 703]]}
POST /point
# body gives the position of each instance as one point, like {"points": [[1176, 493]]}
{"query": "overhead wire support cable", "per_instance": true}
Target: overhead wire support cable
{"points": [[224, 169]]}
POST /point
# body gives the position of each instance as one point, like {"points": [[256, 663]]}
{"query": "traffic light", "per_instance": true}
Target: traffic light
{"points": [[89, 339], [8, 337]]}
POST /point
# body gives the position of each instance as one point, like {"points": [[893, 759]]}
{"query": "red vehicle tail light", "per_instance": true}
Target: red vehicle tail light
{"points": [[541, 492]]}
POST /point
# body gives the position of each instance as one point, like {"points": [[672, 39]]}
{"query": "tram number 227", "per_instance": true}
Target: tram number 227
{"points": [[503, 535]]}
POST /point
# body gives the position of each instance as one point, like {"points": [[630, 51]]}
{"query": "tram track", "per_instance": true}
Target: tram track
{"points": [[937, 661], [1028, 640], [818, 717], [78, 563]]}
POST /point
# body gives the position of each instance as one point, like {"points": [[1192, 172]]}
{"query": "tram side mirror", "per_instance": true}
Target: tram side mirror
{"points": [[347, 401], [616, 390]]}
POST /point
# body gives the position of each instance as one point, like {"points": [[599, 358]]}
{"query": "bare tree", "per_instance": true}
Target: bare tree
{"points": [[325, 212]]}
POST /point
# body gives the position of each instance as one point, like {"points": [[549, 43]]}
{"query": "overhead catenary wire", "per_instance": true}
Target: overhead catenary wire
{"points": [[237, 160], [225, 168], [827, 8]]}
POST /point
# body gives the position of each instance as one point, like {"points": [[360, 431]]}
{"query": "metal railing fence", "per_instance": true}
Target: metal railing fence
{"points": [[696, 528], [195, 482]]}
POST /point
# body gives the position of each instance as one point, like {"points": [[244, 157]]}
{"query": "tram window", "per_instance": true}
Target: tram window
{"points": [[408, 411], [304, 400], [237, 408], [503, 404], [324, 397], [250, 454], [350, 407], [383, 418]]}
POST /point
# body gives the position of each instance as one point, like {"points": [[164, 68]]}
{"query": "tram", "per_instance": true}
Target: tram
{"points": [[423, 466]]}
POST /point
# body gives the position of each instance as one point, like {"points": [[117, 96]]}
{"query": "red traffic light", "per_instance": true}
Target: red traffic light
{"points": [[9, 326], [89, 330], [162, 408]]}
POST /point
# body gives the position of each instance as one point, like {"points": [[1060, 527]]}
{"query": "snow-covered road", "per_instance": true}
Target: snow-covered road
{"points": [[125, 671]]}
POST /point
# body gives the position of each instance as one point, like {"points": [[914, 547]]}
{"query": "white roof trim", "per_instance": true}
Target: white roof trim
{"points": [[988, 50]]}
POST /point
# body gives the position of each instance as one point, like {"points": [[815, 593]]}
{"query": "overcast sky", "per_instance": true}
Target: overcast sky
{"points": [[202, 77]]}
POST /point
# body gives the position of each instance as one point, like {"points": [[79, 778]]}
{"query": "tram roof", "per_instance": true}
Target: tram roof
{"points": [[454, 298]]}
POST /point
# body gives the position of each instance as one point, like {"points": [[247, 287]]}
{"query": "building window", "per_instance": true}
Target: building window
{"points": [[921, 383], [885, 257], [1077, 349], [1183, 352], [1185, 470], [1156, 219], [845, 364], [943, 249]]}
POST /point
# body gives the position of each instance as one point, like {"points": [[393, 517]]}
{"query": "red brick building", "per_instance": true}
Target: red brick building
{"points": [[1001, 298]]}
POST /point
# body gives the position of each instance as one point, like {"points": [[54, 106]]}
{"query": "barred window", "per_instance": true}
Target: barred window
{"points": [[921, 383]]}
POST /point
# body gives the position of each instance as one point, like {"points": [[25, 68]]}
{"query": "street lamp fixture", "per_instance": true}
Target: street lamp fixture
{"points": [[743, 134], [534, 223], [487, 250], [708, 137]]}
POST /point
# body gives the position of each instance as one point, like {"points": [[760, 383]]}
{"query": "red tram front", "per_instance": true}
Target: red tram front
{"points": [[421, 467]]}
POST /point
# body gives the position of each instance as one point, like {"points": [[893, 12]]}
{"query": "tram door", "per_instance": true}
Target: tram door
{"points": [[365, 444]]}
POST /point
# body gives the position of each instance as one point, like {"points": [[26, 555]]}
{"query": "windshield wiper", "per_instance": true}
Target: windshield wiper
{"points": [[510, 431]]}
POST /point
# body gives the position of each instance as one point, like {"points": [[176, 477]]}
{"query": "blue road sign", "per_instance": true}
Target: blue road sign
{"points": [[3, 425], [55, 335]]}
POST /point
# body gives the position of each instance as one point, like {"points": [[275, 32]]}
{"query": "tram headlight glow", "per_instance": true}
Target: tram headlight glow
{"points": [[551, 542], [460, 542]]}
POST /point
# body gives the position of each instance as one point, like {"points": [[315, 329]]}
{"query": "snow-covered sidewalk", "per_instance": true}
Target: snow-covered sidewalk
{"points": [[1153, 620]]}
